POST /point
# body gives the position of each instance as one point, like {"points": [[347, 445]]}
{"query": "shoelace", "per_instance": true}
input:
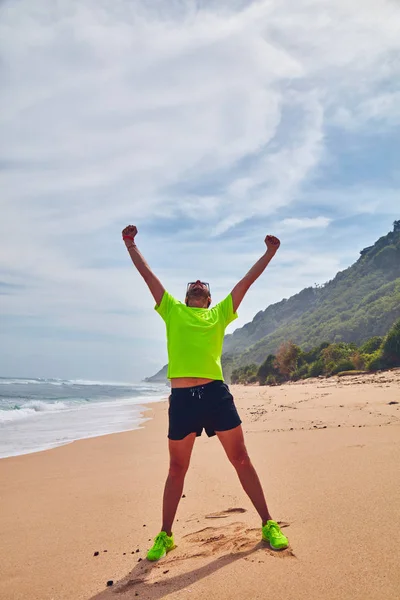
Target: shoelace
{"points": [[275, 529], [159, 540]]}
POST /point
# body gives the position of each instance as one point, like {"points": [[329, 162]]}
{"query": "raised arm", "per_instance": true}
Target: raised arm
{"points": [[154, 284], [241, 288]]}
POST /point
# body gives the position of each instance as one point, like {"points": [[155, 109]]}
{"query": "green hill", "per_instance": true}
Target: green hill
{"points": [[360, 302]]}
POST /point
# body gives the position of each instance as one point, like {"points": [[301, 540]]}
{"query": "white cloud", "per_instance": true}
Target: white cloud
{"points": [[140, 112], [382, 109], [306, 223]]}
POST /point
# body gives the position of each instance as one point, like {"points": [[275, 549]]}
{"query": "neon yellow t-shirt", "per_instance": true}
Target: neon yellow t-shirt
{"points": [[195, 336]]}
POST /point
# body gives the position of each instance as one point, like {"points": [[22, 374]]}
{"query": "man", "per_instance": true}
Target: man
{"points": [[199, 397]]}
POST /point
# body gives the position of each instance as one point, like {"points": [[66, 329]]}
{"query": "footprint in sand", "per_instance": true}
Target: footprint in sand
{"points": [[223, 514], [356, 446], [231, 538], [230, 541]]}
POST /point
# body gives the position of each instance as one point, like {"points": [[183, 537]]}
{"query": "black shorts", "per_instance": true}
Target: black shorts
{"points": [[209, 406]]}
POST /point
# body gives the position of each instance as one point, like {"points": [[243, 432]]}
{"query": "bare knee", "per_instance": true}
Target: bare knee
{"points": [[177, 469], [240, 459]]}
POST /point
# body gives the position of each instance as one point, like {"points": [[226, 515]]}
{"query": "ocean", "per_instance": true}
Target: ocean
{"points": [[37, 414]]}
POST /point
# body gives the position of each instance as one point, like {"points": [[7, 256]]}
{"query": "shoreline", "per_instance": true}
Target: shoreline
{"points": [[365, 378], [90, 437], [326, 453], [145, 406]]}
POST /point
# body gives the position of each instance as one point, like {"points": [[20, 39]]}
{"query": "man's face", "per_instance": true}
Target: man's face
{"points": [[198, 289]]}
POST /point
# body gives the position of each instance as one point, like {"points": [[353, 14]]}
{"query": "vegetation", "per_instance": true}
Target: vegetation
{"points": [[390, 354], [360, 303], [291, 363]]}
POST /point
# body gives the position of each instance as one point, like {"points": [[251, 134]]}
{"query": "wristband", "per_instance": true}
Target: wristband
{"points": [[127, 237]]}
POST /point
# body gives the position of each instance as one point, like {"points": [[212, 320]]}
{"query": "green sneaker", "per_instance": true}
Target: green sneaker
{"points": [[272, 533], [163, 543]]}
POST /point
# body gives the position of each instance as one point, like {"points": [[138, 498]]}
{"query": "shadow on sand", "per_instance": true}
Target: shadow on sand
{"points": [[154, 581]]}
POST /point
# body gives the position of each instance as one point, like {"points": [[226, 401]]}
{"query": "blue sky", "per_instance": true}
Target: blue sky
{"points": [[208, 125]]}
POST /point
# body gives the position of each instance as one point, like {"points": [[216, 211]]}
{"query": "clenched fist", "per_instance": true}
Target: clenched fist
{"points": [[272, 243], [128, 234]]}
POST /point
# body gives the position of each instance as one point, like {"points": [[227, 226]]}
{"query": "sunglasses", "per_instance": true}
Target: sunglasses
{"points": [[207, 285]]}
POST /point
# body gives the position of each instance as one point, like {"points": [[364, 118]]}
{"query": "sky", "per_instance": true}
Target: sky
{"points": [[208, 125]]}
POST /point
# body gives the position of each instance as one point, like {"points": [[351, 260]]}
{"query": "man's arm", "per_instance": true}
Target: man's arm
{"points": [[241, 288], [154, 284]]}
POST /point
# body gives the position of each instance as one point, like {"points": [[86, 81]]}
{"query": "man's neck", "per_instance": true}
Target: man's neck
{"points": [[199, 304]]}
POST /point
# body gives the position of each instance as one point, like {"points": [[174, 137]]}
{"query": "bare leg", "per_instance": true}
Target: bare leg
{"points": [[179, 455], [234, 446]]}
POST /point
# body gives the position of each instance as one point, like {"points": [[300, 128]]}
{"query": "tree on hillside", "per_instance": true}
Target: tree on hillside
{"points": [[372, 345], [286, 358], [267, 372], [245, 375], [336, 357], [335, 352], [312, 355], [396, 226], [391, 346]]}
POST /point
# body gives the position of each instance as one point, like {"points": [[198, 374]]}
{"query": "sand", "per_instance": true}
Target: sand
{"points": [[327, 453]]}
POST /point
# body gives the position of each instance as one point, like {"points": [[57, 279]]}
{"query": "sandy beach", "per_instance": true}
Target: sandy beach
{"points": [[327, 452]]}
